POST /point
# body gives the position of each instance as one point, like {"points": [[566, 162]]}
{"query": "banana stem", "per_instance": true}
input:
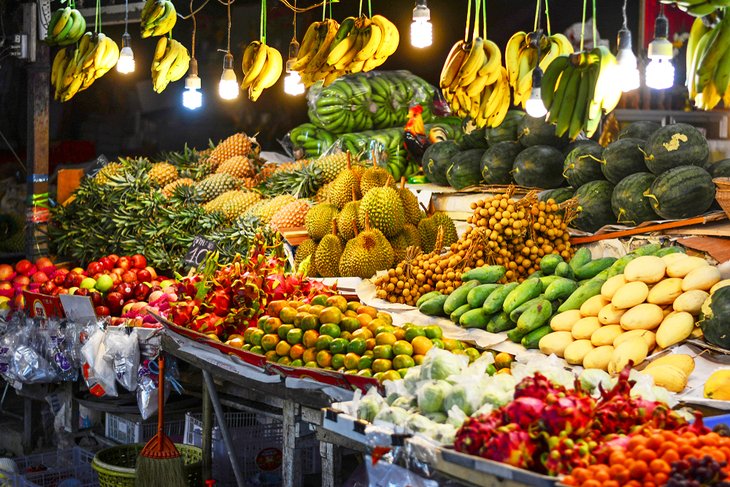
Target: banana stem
{"points": [[468, 21], [475, 32], [583, 25]]}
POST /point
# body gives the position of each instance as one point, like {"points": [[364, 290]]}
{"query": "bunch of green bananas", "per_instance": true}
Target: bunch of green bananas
{"points": [[158, 18], [66, 27], [74, 70], [393, 93], [578, 88], [520, 58], [262, 67], [474, 82], [170, 63], [309, 141], [708, 63], [698, 8], [343, 106], [329, 50]]}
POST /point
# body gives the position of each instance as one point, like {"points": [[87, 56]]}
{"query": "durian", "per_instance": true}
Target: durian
{"points": [[384, 208], [306, 249], [345, 187], [366, 254], [328, 253], [319, 220], [411, 206]]}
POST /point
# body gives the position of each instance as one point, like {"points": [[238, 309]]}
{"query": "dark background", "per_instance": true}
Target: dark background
{"points": [[122, 115]]}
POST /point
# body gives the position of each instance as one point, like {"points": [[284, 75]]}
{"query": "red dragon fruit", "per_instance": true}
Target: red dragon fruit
{"points": [[524, 411], [537, 386], [512, 445], [475, 431], [571, 411]]}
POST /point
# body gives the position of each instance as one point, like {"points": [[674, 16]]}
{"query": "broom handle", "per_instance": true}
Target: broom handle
{"points": [[160, 394]]}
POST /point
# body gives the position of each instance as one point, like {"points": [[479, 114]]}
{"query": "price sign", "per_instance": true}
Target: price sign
{"points": [[198, 251], [42, 306]]}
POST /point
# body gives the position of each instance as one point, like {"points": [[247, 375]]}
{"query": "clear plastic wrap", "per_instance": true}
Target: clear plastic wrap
{"points": [[122, 350], [98, 373], [58, 343], [307, 141]]}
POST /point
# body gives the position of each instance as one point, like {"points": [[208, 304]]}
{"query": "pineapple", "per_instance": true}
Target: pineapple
{"points": [[112, 168], [169, 188], [267, 210], [190, 163], [331, 166], [217, 184], [236, 145], [232, 203], [291, 215], [163, 173], [302, 182], [238, 167]]}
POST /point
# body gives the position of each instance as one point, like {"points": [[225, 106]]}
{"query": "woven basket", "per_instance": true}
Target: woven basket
{"points": [[116, 465], [722, 195]]}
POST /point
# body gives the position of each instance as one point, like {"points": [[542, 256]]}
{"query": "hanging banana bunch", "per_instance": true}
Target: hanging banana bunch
{"points": [[262, 65], [708, 63], [520, 58], [158, 17], [577, 89], [75, 69], [170, 62], [698, 8], [473, 80], [66, 27]]}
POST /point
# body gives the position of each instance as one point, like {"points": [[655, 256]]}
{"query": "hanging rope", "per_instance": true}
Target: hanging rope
{"points": [[360, 9], [595, 28], [370, 8], [583, 25], [228, 45], [484, 19], [97, 17], [196, 11], [477, 8], [263, 22], [539, 32], [547, 18], [195, 28], [126, 15], [537, 9], [468, 21]]}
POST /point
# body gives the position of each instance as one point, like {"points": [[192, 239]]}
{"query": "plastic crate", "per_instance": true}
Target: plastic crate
{"points": [[257, 440], [58, 466], [127, 429]]}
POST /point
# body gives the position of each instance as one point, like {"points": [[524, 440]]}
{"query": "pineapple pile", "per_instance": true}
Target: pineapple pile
{"points": [[364, 223]]}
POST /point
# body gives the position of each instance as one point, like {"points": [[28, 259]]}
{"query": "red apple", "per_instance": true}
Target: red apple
{"points": [[81, 292], [59, 279], [39, 277], [48, 287], [23, 266], [107, 263], [125, 289], [6, 272], [139, 261], [116, 278], [69, 280], [61, 290], [124, 262], [152, 271], [44, 264], [6, 289], [129, 276], [96, 298], [78, 278], [113, 257], [128, 305], [94, 267], [21, 280], [141, 291], [114, 301], [143, 275], [118, 271], [78, 270], [102, 311]]}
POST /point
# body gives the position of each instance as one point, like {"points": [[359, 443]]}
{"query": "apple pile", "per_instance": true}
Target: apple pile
{"points": [[24, 276]]}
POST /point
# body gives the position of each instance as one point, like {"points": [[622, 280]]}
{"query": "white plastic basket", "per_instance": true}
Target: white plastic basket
{"points": [[55, 467], [126, 429]]}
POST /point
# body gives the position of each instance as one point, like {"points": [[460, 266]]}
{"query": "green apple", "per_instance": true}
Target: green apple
{"points": [[104, 283], [88, 283]]}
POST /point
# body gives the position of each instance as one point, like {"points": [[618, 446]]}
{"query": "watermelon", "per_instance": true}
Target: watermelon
{"points": [[594, 206], [639, 130], [437, 159], [715, 318], [539, 166], [682, 192], [472, 137], [465, 169], [498, 160], [719, 169], [623, 158], [507, 130], [675, 145], [559, 194], [536, 131], [576, 143], [628, 201], [583, 164]]}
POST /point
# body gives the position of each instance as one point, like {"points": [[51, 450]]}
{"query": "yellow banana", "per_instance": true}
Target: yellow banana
{"points": [[320, 58], [491, 69], [257, 66], [356, 67], [342, 48], [565, 46], [552, 53], [373, 63], [62, 20], [452, 65], [512, 56], [477, 86], [180, 66], [306, 50], [390, 38], [346, 60], [172, 53], [374, 36], [270, 73], [473, 63]]}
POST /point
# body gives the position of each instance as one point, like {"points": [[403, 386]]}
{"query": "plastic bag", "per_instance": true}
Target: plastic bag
{"points": [[58, 344], [122, 350], [98, 373], [27, 365], [307, 141], [440, 364]]}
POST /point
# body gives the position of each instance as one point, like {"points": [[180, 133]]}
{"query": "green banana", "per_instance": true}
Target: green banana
{"points": [[715, 49], [577, 119], [568, 102], [550, 79]]}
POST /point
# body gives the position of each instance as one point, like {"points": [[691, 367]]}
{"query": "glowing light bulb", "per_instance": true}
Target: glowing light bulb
{"points": [[660, 74], [192, 98], [125, 64], [421, 28], [293, 84], [535, 106], [627, 74], [660, 71], [228, 86]]}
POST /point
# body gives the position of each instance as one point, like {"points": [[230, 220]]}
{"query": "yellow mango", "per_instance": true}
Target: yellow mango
{"points": [[647, 268], [718, 385], [633, 350], [564, 321], [676, 327], [593, 305], [668, 376], [630, 294], [610, 315], [665, 291], [555, 342], [644, 316], [610, 287], [598, 358], [671, 258], [679, 360], [648, 336], [576, 351], [690, 301], [701, 278], [682, 267], [606, 335], [584, 328]]}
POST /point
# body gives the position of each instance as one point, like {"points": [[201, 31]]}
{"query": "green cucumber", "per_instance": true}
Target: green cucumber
{"points": [[434, 306], [563, 269], [535, 316], [458, 297], [582, 257], [593, 267], [620, 264], [560, 288], [532, 339], [494, 301], [582, 294], [515, 335], [426, 297], [549, 262], [456, 315], [515, 313], [545, 281], [474, 318], [674, 249], [476, 296], [500, 322], [648, 249], [530, 288], [487, 274]]}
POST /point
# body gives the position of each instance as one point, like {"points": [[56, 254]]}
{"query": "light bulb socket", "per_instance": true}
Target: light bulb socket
{"points": [[661, 26], [126, 40], [536, 77], [227, 62], [421, 12], [293, 50], [193, 68], [660, 48], [624, 40], [192, 81]]}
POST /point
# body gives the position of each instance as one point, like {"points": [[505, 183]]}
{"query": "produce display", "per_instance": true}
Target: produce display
{"points": [[262, 67], [74, 69], [66, 27], [708, 72], [170, 63], [157, 18]]}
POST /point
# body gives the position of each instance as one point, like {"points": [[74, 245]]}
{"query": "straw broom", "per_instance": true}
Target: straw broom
{"points": [[159, 462]]}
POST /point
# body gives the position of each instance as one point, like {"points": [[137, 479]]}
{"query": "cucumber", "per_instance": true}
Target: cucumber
{"points": [[674, 249], [582, 257], [494, 301], [549, 262], [515, 335], [564, 270], [545, 281], [602, 275], [581, 295], [500, 322], [532, 339], [476, 296], [458, 297], [530, 288], [515, 314], [648, 249], [475, 318], [426, 297], [434, 306], [535, 316], [456, 315], [560, 289], [487, 274], [620, 264], [593, 267]]}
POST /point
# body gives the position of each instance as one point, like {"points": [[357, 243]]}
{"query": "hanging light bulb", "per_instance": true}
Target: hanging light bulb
{"points": [[293, 81], [125, 64], [421, 28], [228, 86], [626, 64], [660, 71], [535, 106], [192, 97]]}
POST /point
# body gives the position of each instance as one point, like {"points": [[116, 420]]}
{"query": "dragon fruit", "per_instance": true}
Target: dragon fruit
{"points": [[571, 412], [524, 411], [511, 445], [475, 431], [537, 386], [565, 453]]}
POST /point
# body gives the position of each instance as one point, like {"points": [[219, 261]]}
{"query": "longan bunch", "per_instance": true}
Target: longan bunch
{"points": [[520, 232]]}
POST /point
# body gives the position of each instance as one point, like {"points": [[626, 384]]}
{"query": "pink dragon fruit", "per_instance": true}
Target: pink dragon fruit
{"points": [[475, 431], [524, 411], [537, 386], [571, 411], [512, 445]]}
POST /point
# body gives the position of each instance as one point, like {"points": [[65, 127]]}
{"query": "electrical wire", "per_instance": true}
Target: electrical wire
{"points": [[126, 15], [228, 48], [623, 11], [12, 150], [300, 10], [195, 28]]}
